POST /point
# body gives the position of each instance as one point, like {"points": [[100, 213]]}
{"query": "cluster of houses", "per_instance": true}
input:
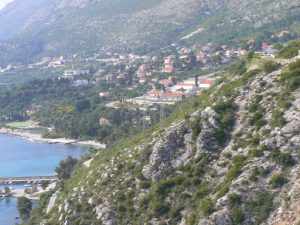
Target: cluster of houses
{"points": [[185, 57], [181, 90], [267, 50]]}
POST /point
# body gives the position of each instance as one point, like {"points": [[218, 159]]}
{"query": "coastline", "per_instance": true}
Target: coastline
{"points": [[17, 193], [39, 138]]}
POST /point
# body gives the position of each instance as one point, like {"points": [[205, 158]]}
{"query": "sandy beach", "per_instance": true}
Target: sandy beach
{"points": [[21, 192], [39, 138]]}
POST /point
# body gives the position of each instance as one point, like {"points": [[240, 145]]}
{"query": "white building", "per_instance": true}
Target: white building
{"points": [[185, 87], [72, 74], [205, 83]]}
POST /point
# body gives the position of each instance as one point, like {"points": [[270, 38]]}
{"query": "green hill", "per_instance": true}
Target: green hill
{"points": [[229, 156]]}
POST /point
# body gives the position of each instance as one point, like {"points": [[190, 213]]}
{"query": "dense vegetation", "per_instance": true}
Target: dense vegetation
{"points": [[24, 206], [290, 51], [75, 112]]}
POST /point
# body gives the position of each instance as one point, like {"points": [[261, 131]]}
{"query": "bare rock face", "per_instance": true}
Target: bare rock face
{"points": [[217, 218], [105, 214], [205, 222], [170, 151], [74, 3], [221, 217], [292, 117], [206, 141]]}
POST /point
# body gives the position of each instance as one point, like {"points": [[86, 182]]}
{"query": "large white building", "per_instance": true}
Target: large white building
{"points": [[72, 74]]}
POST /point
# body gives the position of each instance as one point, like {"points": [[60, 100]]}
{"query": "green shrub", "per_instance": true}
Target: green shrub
{"points": [[253, 177], [278, 46], [284, 159], [24, 206], [253, 107], [45, 184], [277, 119], [196, 129], [294, 65], [285, 100], [159, 208], [226, 110], [260, 206], [234, 199], [206, 206], [227, 155], [237, 215], [145, 184], [270, 66], [234, 172], [260, 123], [163, 187], [256, 152], [223, 188], [256, 116], [174, 213], [277, 181], [255, 140], [239, 67], [239, 159], [66, 167], [204, 189], [293, 84], [290, 51], [236, 168]]}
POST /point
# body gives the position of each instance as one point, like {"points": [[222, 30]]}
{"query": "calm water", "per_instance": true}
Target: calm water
{"points": [[21, 157]]}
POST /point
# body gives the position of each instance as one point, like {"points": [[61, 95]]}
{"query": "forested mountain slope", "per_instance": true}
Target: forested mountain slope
{"points": [[230, 156], [85, 26]]}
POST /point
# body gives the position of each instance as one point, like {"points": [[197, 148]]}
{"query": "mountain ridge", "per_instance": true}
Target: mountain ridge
{"points": [[68, 27]]}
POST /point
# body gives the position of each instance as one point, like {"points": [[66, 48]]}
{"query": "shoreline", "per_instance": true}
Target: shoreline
{"points": [[20, 192], [39, 138]]}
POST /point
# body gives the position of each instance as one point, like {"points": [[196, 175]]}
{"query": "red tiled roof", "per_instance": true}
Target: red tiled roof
{"points": [[165, 82], [154, 92], [207, 81], [187, 85], [173, 94]]}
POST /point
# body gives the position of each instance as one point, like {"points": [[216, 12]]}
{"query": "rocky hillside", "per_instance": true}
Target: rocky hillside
{"points": [[89, 25], [241, 18], [86, 26], [230, 156]]}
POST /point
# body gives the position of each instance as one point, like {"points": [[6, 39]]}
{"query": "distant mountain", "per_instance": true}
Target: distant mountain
{"points": [[69, 26], [16, 16]]}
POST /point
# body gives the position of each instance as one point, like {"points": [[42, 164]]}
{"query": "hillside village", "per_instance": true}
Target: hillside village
{"points": [[164, 71], [120, 90]]}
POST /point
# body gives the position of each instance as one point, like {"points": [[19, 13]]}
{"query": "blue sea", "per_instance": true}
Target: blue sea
{"points": [[21, 157]]}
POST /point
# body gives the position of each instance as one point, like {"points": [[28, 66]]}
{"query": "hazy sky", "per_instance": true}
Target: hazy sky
{"points": [[4, 3]]}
